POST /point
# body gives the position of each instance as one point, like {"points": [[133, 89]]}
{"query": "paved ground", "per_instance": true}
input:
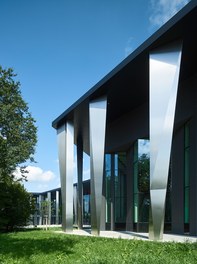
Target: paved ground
{"points": [[133, 235]]}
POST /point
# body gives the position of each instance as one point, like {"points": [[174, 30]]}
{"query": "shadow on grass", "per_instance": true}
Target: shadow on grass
{"points": [[19, 245]]}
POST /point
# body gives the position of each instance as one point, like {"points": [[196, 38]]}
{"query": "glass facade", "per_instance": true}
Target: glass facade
{"points": [[86, 209], [108, 183], [120, 188], [115, 182], [141, 184], [186, 174]]}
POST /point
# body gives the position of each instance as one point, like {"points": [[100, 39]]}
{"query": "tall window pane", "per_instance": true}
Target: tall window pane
{"points": [[108, 187], [141, 183], [120, 187], [186, 173]]}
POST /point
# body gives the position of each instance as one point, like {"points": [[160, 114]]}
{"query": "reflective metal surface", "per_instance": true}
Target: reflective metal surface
{"points": [[164, 75], [75, 204], [49, 207], [97, 115], [57, 208], [40, 209], [65, 136]]}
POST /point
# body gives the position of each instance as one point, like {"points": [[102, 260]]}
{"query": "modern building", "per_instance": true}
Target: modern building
{"points": [[49, 203], [139, 127]]}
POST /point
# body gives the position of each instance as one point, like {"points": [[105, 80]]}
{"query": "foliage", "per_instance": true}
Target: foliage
{"points": [[16, 205], [17, 145], [46, 208], [17, 126], [144, 173], [53, 248]]}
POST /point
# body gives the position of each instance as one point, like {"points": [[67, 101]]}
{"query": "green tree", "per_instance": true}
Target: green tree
{"points": [[46, 209], [17, 127], [18, 138], [144, 173], [16, 205]]}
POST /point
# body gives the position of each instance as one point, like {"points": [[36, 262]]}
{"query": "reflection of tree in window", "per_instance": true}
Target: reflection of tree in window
{"points": [[141, 183], [143, 173]]}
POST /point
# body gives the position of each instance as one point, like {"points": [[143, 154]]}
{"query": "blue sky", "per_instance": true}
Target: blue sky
{"points": [[61, 48]]}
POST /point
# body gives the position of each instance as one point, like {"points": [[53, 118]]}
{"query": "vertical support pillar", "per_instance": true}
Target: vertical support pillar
{"points": [[80, 184], [57, 208], [66, 163], [164, 76], [103, 206], [75, 204], [49, 207], [97, 119], [40, 208], [35, 216]]}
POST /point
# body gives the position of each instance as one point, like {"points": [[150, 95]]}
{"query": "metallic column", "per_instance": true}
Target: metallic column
{"points": [[103, 207], [57, 208], [75, 204], [66, 164], [97, 114], [164, 76], [40, 204], [80, 184], [49, 207]]}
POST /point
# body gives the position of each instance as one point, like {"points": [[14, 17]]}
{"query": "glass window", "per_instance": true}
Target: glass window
{"points": [[186, 172], [141, 181], [115, 177], [108, 158], [120, 186], [86, 209]]}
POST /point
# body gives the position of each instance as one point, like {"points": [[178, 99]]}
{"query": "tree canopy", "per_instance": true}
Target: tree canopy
{"points": [[18, 133], [16, 205], [18, 138]]}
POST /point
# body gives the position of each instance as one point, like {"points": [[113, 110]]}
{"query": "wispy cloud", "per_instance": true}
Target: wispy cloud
{"points": [[163, 10], [129, 47]]}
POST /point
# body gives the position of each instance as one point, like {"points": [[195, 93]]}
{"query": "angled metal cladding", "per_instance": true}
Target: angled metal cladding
{"points": [[57, 207], [97, 115], [164, 76], [65, 136], [75, 204], [49, 207]]}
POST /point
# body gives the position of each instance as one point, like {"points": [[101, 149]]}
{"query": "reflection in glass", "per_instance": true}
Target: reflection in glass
{"points": [[142, 187], [86, 209], [108, 187], [141, 183], [186, 176], [120, 178], [115, 181]]}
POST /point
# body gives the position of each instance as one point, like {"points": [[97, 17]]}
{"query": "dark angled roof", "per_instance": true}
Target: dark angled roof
{"points": [[127, 85]]}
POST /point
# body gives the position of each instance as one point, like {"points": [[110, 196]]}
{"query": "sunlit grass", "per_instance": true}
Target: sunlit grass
{"points": [[39, 246]]}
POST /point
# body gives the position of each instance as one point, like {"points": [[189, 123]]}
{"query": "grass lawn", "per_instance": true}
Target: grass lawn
{"points": [[40, 247]]}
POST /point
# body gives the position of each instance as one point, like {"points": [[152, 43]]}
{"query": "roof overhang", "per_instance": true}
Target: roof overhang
{"points": [[127, 85]]}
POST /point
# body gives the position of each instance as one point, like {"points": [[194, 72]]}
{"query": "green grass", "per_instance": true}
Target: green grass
{"points": [[40, 247]]}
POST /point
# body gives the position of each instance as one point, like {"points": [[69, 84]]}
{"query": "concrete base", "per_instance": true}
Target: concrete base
{"points": [[133, 235]]}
